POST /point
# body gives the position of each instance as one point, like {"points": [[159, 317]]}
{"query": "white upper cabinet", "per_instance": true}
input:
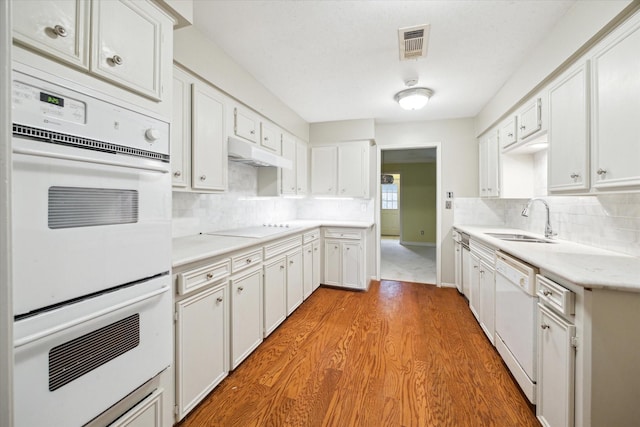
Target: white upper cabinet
{"points": [[54, 28], [569, 130], [302, 168], [324, 170], [270, 137], [530, 119], [615, 107], [508, 133], [246, 124], [126, 45], [340, 169], [181, 129], [289, 176], [209, 148], [125, 42], [489, 165]]}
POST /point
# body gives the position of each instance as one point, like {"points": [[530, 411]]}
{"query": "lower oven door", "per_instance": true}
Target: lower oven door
{"points": [[76, 361], [85, 221]]}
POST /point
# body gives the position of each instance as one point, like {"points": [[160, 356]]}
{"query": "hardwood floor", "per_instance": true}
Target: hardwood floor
{"points": [[402, 354]]}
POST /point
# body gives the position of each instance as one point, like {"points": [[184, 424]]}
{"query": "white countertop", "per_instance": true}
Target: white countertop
{"points": [[202, 246], [582, 265]]}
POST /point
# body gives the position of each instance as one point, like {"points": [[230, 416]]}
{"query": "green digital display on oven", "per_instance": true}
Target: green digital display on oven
{"points": [[51, 99]]}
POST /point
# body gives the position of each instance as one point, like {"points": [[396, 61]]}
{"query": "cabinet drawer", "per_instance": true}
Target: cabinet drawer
{"points": [[310, 236], [556, 296], [246, 259], [342, 233], [203, 276], [281, 246]]}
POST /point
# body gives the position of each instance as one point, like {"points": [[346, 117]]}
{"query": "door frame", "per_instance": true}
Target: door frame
{"points": [[410, 146]]}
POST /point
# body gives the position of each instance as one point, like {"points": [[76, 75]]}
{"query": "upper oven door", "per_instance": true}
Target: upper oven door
{"points": [[85, 221]]}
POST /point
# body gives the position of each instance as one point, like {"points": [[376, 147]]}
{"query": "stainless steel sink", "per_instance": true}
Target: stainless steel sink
{"points": [[513, 237]]}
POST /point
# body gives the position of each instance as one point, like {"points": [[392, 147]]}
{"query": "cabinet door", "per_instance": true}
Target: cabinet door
{"points": [[556, 369], [294, 281], [56, 28], [489, 174], [275, 295], [352, 263], [487, 299], [246, 316], [245, 124], [616, 102], [180, 129], [289, 175], [270, 137], [457, 260], [467, 272], [474, 288], [202, 346], [209, 148], [351, 179], [530, 119], [332, 263], [126, 44], [307, 270], [302, 159], [316, 266], [569, 131], [324, 170], [508, 133], [482, 166]]}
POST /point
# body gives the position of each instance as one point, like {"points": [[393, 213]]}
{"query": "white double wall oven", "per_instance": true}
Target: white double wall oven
{"points": [[91, 224]]}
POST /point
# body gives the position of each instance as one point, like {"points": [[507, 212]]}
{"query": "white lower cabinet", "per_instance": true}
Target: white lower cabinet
{"points": [[202, 345], [294, 280], [275, 294], [556, 370], [147, 413], [344, 258], [487, 299], [307, 270], [246, 315], [474, 286], [315, 280]]}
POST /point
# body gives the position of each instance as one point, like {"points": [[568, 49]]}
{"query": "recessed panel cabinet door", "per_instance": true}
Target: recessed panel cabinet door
{"points": [[307, 270], [289, 175], [126, 45], [57, 28], [332, 263], [246, 316], [316, 265], [294, 281], [302, 159], [275, 295], [202, 346], [616, 103], [352, 265], [209, 153], [351, 178], [569, 131], [324, 176], [180, 129]]}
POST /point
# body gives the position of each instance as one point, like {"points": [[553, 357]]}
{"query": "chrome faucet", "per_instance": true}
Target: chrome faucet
{"points": [[548, 232]]}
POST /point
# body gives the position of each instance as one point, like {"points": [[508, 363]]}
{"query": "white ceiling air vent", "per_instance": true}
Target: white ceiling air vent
{"points": [[413, 42]]}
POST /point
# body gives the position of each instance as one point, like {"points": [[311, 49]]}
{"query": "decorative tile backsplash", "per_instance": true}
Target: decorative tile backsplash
{"points": [[241, 207], [609, 221]]}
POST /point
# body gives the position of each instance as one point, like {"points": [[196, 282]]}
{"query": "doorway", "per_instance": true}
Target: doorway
{"points": [[408, 214]]}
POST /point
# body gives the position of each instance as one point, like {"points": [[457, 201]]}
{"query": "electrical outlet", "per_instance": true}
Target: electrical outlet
{"points": [[447, 204]]}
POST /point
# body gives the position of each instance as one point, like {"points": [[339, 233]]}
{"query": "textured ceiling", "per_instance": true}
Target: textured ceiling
{"points": [[338, 60]]}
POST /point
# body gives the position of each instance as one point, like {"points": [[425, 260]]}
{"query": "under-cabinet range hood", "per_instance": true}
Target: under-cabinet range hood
{"points": [[246, 152]]}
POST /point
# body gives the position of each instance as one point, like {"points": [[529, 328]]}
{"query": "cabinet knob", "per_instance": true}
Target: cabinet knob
{"points": [[293, 188], [60, 31], [348, 248], [544, 326], [219, 299], [575, 175], [330, 188], [248, 260], [510, 134], [299, 189], [177, 173], [282, 267], [488, 189], [252, 132], [266, 138], [203, 177], [240, 289], [523, 127], [309, 251], [343, 190], [547, 293], [209, 275], [601, 171], [116, 60], [315, 249], [291, 262]]}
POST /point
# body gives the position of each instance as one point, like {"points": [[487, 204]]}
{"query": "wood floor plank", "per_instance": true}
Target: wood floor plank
{"points": [[401, 354]]}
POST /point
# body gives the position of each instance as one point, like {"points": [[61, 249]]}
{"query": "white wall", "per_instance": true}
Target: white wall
{"points": [[196, 52], [582, 22], [459, 166]]}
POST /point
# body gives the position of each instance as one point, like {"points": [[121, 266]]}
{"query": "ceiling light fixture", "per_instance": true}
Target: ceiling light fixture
{"points": [[413, 98]]}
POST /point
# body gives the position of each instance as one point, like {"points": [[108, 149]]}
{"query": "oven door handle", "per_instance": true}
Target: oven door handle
{"points": [[31, 152], [75, 322]]}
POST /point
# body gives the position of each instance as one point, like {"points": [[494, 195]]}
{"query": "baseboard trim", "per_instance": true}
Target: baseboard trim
{"points": [[402, 242], [448, 285]]}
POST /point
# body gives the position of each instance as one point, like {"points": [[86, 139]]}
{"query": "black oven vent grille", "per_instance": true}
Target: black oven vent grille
{"points": [[71, 207], [86, 143], [75, 358]]}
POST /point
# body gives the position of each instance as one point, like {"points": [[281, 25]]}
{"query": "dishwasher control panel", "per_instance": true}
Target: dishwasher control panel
{"points": [[517, 272]]}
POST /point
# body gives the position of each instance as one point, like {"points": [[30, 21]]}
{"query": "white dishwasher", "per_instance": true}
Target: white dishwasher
{"points": [[516, 319]]}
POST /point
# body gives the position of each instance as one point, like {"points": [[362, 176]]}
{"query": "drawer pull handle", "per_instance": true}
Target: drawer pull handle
{"points": [[544, 326], [547, 293], [240, 289], [60, 31], [219, 300], [248, 260], [282, 267], [209, 276], [601, 171], [117, 60], [575, 175], [177, 173]]}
